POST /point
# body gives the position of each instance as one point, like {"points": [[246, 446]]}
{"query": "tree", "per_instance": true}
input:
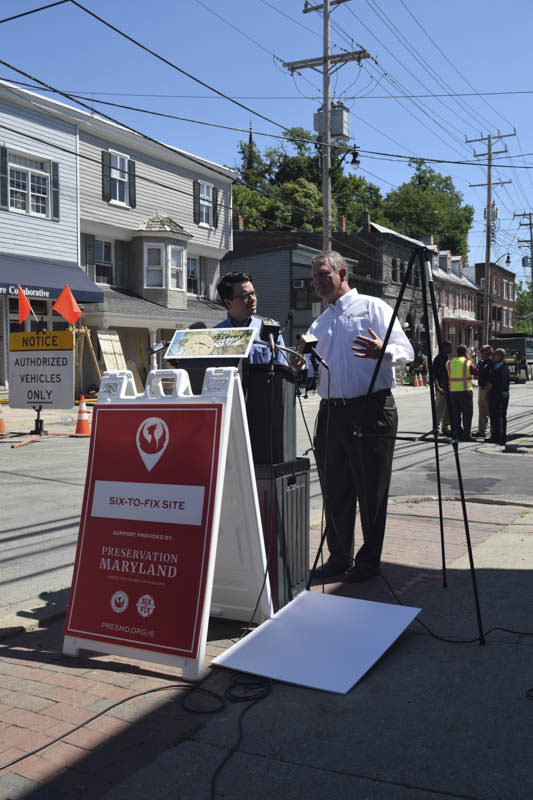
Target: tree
{"points": [[430, 203], [523, 308]]}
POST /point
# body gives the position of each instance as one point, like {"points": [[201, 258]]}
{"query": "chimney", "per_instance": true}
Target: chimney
{"points": [[366, 221], [238, 223], [342, 224]]}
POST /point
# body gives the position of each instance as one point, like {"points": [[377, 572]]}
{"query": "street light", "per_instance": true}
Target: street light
{"points": [[507, 260]]}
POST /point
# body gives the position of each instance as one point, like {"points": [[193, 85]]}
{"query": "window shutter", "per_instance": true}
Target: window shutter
{"points": [[132, 193], [106, 175], [54, 186], [214, 200], [196, 201], [89, 255], [3, 178]]}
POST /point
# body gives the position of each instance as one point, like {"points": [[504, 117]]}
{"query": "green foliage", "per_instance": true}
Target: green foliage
{"points": [[291, 174], [523, 308]]}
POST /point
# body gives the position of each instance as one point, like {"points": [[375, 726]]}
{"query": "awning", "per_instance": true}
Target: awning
{"points": [[44, 279], [466, 323]]}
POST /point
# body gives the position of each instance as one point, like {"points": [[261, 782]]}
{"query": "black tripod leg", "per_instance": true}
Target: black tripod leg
{"points": [[426, 282], [455, 445]]}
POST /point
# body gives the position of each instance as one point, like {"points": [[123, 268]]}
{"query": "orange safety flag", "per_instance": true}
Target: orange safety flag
{"points": [[24, 306], [67, 306]]}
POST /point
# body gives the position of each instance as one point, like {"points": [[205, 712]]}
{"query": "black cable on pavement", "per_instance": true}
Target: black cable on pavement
{"points": [[447, 638]]}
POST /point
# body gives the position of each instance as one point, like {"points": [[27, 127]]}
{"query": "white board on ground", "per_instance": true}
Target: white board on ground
{"points": [[320, 640]]}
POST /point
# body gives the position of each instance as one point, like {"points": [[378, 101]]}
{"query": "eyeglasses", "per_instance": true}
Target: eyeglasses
{"points": [[244, 296]]}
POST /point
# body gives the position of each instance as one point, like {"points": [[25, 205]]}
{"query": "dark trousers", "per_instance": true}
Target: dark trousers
{"points": [[462, 410], [498, 416], [356, 469]]}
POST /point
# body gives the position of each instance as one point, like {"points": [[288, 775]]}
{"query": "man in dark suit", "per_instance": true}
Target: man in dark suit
{"points": [[498, 397]]}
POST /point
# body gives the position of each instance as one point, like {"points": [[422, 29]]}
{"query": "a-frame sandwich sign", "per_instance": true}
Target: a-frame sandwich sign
{"points": [[170, 529]]}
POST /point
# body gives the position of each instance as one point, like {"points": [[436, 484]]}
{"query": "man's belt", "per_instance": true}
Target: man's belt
{"points": [[354, 401]]}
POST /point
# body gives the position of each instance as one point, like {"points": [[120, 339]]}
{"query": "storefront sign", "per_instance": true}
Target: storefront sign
{"points": [[41, 369], [146, 527], [12, 290]]}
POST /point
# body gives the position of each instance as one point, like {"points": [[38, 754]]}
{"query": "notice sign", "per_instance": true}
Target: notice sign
{"points": [[146, 525], [41, 369]]}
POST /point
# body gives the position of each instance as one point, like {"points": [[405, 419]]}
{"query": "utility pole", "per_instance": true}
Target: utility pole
{"points": [[529, 242], [327, 62], [489, 154]]}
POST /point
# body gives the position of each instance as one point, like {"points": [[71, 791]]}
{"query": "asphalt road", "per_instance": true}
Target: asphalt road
{"points": [[487, 471], [42, 491]]}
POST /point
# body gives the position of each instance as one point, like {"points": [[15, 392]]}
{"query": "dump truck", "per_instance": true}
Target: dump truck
{"points": [[519, 354]]}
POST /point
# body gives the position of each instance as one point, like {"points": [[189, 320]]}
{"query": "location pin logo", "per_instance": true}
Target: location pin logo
{"points": [[152, 440]]}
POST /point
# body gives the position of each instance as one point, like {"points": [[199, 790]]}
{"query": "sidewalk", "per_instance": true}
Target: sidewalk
{"points": [[430, 719]]}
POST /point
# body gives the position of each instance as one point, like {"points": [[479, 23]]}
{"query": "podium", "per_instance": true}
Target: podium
{"points": [[282, 479], [270, 395]]}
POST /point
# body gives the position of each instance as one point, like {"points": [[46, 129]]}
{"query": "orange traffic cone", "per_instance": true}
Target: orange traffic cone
{"points": [[82, 425], [2, 423]]}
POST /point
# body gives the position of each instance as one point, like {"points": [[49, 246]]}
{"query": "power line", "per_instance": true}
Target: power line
{"points": [[174, 66], [379, 155], [443, 54], [421, 61], [33, 11], [247, 36]]}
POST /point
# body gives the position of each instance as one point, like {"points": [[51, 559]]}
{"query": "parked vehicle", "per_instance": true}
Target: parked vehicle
{"points": [[519, 354]]}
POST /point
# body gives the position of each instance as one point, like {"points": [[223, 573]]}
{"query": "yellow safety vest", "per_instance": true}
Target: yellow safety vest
{"points": [[459, 374]]}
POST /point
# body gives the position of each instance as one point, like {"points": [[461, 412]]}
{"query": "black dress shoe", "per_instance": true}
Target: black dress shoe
{"points": [[358, 575], [328, 570]]}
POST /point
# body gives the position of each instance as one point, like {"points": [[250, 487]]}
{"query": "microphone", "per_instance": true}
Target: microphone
{"points": [[269, 333], [307, 344]]}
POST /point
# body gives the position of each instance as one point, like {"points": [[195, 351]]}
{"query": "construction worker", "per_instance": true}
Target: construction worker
{"points": [[460, 372]]}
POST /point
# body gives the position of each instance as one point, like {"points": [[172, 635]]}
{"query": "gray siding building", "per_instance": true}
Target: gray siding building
{"points": [[142, 224]]}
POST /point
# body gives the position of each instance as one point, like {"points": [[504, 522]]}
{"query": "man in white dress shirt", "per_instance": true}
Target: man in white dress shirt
{"points": [[354, 468]]}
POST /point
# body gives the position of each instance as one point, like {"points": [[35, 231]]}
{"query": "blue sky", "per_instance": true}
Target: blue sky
{"points": [[422, 47]]}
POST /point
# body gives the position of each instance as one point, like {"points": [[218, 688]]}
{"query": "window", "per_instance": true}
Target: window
{"points": [[103, 262], [192, 275], [29, 184], [205, 204], [163, 266], [395, 273], [403, 268], [303, 295], [175, 261], [510, 317], [154, 258], [118, 179], [504, 317]]}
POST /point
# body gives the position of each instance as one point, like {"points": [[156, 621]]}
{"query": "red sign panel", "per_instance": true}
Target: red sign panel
{"points": [[145, 533]]}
